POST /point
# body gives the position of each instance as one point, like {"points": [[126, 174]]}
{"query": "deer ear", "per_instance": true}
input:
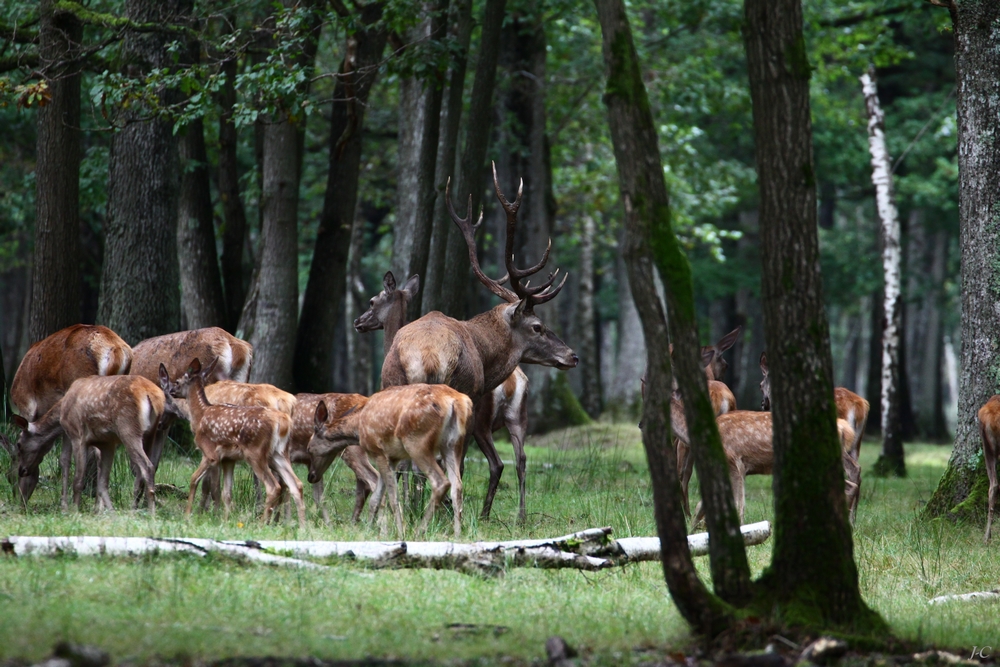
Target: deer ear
{"points": [[321, 414], [707, 356], [729, 339], [194, 366], [522, 309], [208, 370], [389, 282], [763, 363], [164, 377], [412, 286], [20, 422]]}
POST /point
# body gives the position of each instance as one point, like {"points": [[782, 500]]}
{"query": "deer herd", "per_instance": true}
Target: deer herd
{"points": [[442, 380]]}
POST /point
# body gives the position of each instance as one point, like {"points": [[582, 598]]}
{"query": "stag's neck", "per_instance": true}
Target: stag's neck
{"points": [[496, 346], [395, 320]]}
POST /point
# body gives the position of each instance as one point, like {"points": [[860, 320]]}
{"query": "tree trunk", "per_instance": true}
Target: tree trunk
{"points": [[873, 385], [139, 283], [649, 236], [930, 374], [892, 460], [457, 274], [461, 33], [360, 347], [631, 353], [812, 572], [55, 302], [202, 301], [314, 353], [587, 326], [234, 215], [962, 490]]}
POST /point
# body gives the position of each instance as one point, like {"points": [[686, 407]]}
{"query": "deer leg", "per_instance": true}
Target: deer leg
{"points": [[65, 456], [990, 458], [272, 489], [386, 471], [376, 500], [484, 437], [366, 478], [203, 467], [685, 466], [104, 477], [439, 483], [227, 471], [452, 466], [738, 480], [79, 449], [294, 485], [517, 430]]}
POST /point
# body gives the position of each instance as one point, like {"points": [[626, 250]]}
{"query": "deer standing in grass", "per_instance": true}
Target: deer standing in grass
{"points": [[226, 434], [48, 369], [101, 412], [506, 405], [850, 407], [475, 356], [989, 427], [417, 422]]}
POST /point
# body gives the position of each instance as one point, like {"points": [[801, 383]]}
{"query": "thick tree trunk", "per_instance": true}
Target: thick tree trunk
{"points": [[461, 33], [457, 274], [314, 351], [892, 460], [586, 324], [234, 215], [962, 490], [201, 287], [649, 236], [139, 283], [55, 302], [812, 568]]}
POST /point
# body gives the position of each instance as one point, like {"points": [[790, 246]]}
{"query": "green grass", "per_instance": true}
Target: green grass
{"points": [[186, 607]]}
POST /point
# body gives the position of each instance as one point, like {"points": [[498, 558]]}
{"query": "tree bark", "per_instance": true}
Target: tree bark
{"points": [[892, 460], [631, 352], [649, 236], [202, 301], [456, 273], [139, 283], [962, 490], [586, 324], [314, 354], [55, 302], [234, 215], [812, 572]]}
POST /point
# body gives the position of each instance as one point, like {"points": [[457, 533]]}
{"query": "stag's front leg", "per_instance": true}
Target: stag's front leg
{"points": [[483, 432]]}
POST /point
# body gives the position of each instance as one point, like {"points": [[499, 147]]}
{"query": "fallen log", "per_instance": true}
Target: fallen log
{"points": [[591, 549], [978, 595]]}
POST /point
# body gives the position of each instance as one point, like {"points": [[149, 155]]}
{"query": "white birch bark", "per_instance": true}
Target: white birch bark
{"points": [[889, 217]]}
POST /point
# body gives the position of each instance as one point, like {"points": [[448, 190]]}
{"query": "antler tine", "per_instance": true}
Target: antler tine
{"points": [[538, 289], [550, 294], [469, 233]]}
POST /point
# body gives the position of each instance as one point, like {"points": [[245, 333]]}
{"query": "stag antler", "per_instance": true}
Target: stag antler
{"points": [[540, 293], [469, 233]]}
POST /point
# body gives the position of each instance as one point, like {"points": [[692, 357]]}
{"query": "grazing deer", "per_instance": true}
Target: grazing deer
{"points": [[989, 427], [746, 439], [850, 407], [417, 422], [226, 434], [48, 369], [303, 427], [101, 412], [475, 356], [506, 405]]}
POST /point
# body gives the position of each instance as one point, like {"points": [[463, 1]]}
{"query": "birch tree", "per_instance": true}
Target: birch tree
{"points": [[891, 462]]}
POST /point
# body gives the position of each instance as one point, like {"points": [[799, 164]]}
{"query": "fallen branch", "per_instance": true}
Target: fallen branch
{"points": [[978, 595], [592, 549]]}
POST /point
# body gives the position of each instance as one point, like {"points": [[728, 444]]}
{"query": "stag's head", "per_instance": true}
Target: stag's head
{"points": [[388, 304], [332, 434], [539, 344], [765, 383]]}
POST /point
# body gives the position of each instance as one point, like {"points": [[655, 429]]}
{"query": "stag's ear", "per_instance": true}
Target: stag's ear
{"points": [[412, 286], [707, 356], [20, 422], [389, 282], [729, 339], [321, 414], [763, 363], [164, 377], [517, 312]]}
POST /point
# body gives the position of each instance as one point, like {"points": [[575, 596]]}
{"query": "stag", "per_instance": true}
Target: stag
{"points": [[474, 356]]}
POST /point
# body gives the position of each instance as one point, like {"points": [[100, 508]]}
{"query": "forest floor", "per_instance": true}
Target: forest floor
{"points": [[188, 609]]}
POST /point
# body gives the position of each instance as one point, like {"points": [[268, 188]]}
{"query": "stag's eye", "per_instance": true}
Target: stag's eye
{"points": [[371, 304], [537, 328]]}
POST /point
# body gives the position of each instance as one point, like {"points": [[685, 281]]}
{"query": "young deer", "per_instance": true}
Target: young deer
{"points": [[101, 412], [506, 405], [475, 356], [417, 422], [48, 369], [226, 434], [989, 428], [850, 407]]}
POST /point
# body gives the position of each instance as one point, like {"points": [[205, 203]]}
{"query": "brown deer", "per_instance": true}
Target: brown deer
{"points": [[989, 427], [506, 405], [746, 439], [475, 356], [850, 407], [101, 412], [226, 434], [417, 422], [48, 369]]}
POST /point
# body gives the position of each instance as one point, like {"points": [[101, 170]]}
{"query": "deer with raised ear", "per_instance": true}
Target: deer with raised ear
{"points": [[417, 422], [226, 434], [506, 405], [989, 428], [475, 356], [46, 372], [850, 407]]}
